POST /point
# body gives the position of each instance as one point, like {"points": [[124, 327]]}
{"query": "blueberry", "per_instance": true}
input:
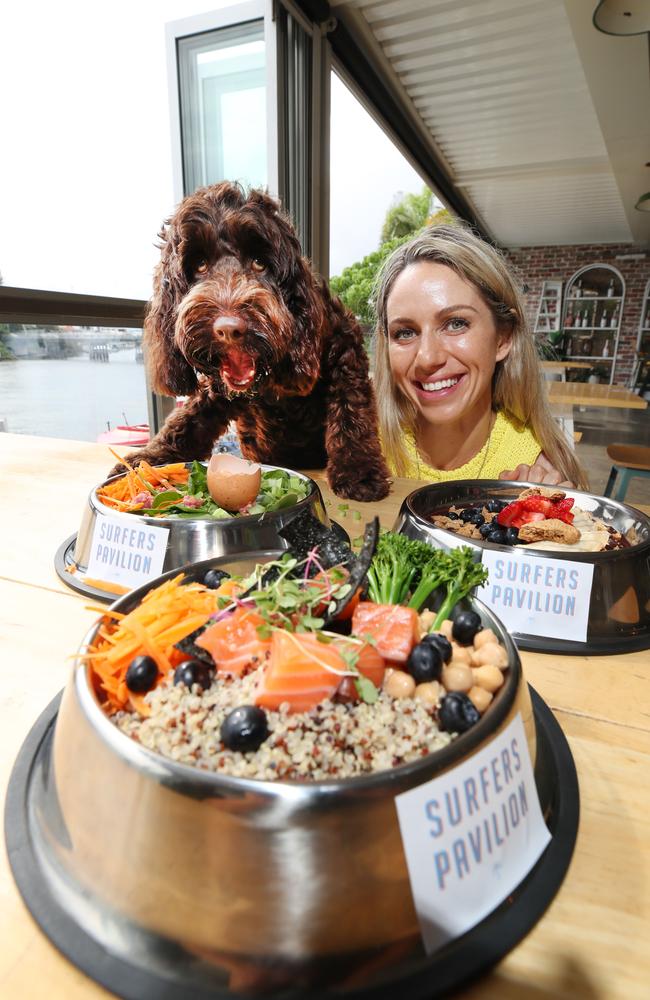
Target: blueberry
{"points": [[497, 536], [466, 625], [193, 672], [494, 506], [441, 641], [214, 578], [425, 662], [245, 728], [486, 529], [457, 714], [452, 515], [512, 536], [476, 519], [141, 673], [468, 512]]}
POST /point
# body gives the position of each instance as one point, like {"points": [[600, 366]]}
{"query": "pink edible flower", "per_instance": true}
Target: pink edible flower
{"points": [[145, 498]]}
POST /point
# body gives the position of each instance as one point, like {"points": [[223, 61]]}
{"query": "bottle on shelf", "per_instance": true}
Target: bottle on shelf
{"points": [[614, 321], [610, 288], [569, 319], [606, 349], [603, 319]]}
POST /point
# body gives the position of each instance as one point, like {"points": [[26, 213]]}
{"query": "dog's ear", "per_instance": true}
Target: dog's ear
{"points": [[169, 372]]}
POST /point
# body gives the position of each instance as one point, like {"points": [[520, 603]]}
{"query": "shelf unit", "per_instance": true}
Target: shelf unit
{"points": [[549, 310], [591, 318], [640, 378]]}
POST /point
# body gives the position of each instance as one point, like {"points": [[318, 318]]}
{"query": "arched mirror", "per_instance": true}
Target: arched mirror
{"points": [[593, 307]]}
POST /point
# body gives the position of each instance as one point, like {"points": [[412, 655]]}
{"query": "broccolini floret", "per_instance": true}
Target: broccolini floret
{"points": [[404, 569]]}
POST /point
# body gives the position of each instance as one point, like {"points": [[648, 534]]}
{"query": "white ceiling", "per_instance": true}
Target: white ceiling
{"points": [[539, 119]]}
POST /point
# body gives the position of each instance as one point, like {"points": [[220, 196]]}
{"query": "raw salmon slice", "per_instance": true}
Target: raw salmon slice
{"points": [[393, 627], [233, 643], [298, 672], [370, 662]]}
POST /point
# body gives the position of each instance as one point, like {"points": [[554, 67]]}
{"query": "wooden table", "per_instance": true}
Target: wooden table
{"points": [[594, 394], [592, 942]]}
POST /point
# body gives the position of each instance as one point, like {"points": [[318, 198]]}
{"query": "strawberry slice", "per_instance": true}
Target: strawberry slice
{"points": [[506, 517], [538, 504], [562, 510], [529, 516]]}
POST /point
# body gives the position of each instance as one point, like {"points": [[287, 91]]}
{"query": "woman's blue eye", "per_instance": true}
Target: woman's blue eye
{"points": [[402, 334], [457, 323]]}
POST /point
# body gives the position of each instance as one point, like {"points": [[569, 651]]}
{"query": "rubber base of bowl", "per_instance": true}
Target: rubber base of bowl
{"points": [[600, 646], [415, 975], [64, 565]]}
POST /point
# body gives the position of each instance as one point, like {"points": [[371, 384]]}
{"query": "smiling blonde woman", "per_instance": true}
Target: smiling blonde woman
{"points": [[458, 381]]}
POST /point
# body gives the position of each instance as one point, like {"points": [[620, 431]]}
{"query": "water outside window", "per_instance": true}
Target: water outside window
{"points": [[78, 381]]}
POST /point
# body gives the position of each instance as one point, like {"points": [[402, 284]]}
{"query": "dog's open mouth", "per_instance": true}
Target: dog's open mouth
{"points": [[238, 370]]}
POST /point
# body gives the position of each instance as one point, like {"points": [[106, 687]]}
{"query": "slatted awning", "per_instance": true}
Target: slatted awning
{"points": [[537, 120]]}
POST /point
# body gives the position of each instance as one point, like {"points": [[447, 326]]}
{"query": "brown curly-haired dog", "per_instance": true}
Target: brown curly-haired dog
{"points": [[240, 324]]}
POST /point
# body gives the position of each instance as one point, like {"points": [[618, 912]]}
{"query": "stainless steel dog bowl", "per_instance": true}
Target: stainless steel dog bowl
{"points": [[619, 609], [162, 862], [192, 540]]}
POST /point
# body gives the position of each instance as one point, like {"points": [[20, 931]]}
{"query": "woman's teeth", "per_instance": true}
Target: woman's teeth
{"points": [[435, 386]]}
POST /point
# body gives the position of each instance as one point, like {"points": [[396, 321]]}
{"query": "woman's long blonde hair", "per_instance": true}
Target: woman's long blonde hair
{"points": [[517, 387]]}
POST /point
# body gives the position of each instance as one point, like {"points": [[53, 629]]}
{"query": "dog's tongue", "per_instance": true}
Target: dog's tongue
{"points": [[239, 368]]}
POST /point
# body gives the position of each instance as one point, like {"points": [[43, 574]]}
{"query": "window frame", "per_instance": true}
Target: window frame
{"points": [[203, 24]]}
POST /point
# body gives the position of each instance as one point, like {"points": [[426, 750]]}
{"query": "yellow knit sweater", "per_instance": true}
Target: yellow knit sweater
{"points": [[510, 444]]}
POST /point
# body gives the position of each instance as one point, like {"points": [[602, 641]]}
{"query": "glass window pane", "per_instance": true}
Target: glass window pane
{"points": [[223, 106], [70, 382], [368, 175]]}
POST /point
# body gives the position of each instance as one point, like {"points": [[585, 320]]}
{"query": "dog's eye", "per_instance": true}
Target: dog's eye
{"points": [[201, 267], [258, 265]]}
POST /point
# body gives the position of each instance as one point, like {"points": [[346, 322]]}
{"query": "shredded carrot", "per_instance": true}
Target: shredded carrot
{"points": [[166, 615], [120, 493]]}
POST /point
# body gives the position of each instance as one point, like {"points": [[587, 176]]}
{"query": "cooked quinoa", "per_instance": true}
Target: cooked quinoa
{"points": [[332, 740]]}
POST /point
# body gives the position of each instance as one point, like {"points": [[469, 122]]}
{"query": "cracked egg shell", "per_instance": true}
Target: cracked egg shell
{"points": [[233, 482]]}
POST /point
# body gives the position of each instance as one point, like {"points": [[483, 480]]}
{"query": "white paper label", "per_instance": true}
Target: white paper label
{"points": [[449, 540], [125, 550], [471, 836], [538, 596]]}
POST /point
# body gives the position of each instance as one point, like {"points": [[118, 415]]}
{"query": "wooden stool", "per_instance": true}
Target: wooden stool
{"points": [[629, 460]]}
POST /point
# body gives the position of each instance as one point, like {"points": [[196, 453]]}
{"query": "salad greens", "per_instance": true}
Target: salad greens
{"points": [[278, 489]]}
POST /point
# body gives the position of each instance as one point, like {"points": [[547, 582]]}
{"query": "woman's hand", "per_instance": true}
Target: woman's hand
{"points": [[541, 472]]}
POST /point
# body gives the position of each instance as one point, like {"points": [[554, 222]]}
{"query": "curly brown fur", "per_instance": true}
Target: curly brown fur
{"points": [[239, 323]]}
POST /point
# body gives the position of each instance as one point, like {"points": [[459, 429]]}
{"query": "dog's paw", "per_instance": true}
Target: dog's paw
{"points": [[355, 485]]}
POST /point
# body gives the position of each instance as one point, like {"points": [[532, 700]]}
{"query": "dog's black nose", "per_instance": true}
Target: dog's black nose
{"points": [[229, 327]]}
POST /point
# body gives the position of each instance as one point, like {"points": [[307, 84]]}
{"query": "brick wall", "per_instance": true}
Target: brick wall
{"points": [[545, 263]]}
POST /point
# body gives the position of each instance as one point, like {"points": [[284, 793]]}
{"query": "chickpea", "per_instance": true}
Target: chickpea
{"points": [[457, 676], [399, 684], [488, 677], [492, 654], [480, 698], [427, 619], [461, 654], [429, 692], [446, 628], [484, 636]]}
